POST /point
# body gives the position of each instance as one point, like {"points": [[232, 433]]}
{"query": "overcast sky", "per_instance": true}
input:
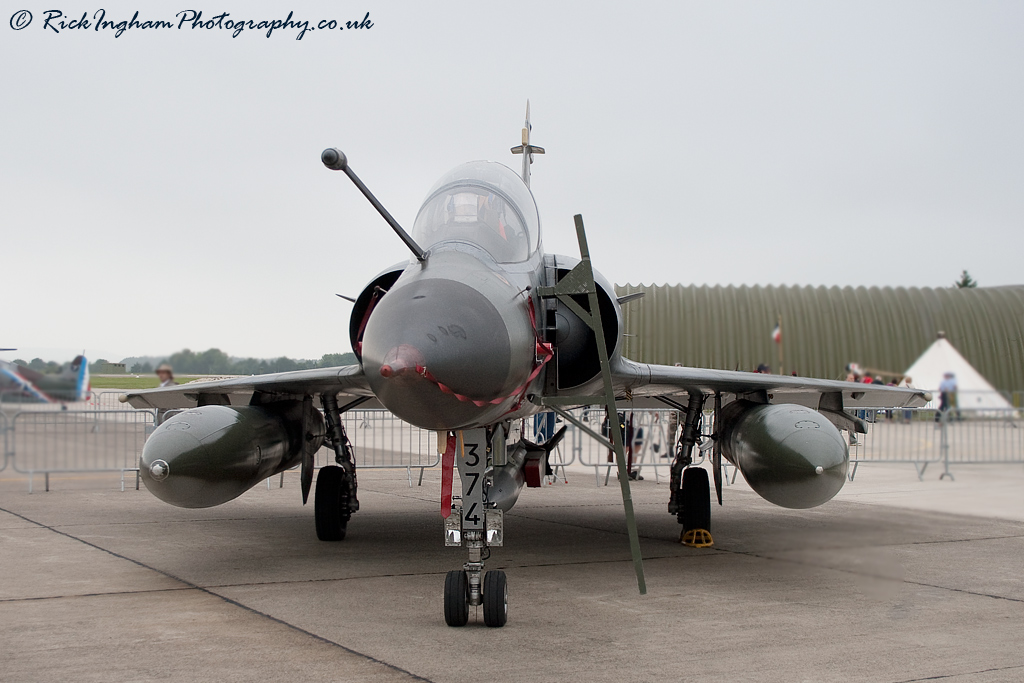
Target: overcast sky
{"points": [[163, 189]]}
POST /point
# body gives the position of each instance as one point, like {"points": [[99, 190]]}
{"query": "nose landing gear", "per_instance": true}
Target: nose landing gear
{"points": [[475, 527]]}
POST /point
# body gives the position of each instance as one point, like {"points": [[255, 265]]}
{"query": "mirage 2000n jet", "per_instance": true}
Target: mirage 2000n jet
{"points": [[478, 329]]}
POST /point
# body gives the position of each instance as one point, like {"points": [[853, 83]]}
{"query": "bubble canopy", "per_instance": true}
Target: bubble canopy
{"points": [[486, 204]]}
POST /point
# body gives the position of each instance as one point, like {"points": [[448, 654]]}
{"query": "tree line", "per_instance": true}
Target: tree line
{"points": [[209, 362], [216, 362], [40, 365]]}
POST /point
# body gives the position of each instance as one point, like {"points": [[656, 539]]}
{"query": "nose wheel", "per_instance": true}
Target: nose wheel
{"points": [[494, 598], [456, 598]]}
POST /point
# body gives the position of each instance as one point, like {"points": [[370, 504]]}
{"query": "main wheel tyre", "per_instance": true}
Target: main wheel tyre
{"points": [[330, 505], [696, 492], [495, 599], [456, 598]]}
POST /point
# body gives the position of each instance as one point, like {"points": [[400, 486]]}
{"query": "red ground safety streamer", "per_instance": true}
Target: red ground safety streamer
{"points": [[447, 472]]}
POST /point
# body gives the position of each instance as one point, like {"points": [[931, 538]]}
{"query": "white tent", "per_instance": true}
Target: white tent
{"points": [[973, 391]]}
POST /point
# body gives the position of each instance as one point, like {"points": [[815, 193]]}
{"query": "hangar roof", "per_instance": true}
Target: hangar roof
{"points": [[824, 328]]}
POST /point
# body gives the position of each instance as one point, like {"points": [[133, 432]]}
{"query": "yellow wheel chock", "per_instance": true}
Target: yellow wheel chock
{"points": [[697, 538]]}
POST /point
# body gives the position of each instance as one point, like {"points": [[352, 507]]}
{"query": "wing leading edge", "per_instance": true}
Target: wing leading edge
{"points": [[644, 380], [347, 379]]}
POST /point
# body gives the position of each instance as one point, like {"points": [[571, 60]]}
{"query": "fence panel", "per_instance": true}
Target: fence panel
{"points": [[894, 436], [383, 441], [909, 436], [987, 437], [108, 400], [5, 453], [923, 437], [48, 442], [652, 443]]}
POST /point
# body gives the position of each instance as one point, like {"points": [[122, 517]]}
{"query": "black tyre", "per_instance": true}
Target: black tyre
{"points": [[330, 505], [456, 598], [495, 599], [696, 494]]}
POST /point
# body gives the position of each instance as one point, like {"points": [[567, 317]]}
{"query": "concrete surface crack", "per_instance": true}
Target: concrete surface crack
{"points": [[873, 576], [95, 595], [497, 565], [965, 673]]}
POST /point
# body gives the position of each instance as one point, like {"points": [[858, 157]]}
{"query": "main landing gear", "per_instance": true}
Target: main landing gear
{"points": [[695, 508], [690, 497], [475, 526], [335, 499]]}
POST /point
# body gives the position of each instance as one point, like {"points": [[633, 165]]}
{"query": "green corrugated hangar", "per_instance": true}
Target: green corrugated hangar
{"points": [[825, 328]]}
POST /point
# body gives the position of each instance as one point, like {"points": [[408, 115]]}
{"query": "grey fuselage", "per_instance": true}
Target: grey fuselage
{"points": [[457, 340]]}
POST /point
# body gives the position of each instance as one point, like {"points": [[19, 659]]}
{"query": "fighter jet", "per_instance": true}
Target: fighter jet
{"points": [[21, 384], [477, 329]]}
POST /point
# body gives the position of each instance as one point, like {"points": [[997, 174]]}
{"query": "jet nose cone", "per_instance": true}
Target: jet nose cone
{"points": [[402, 360], [437, 351]]}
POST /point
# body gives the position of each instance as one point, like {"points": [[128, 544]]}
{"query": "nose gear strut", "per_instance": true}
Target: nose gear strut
{"points": [[475, 526]]}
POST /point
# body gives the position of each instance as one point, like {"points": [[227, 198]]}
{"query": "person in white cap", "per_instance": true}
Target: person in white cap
{"points": [[166, 375]]}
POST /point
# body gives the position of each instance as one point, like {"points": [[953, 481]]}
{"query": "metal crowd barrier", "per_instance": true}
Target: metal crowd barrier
{"points": [[925, 437], [913, 437], [382, 441], [5, 453], [652, 443], [49, 442], [45, 441], [108, 400], [75, 441]]}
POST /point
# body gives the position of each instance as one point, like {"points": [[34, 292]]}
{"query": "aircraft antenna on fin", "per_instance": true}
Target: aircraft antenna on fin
{"points": [[526, 149]]}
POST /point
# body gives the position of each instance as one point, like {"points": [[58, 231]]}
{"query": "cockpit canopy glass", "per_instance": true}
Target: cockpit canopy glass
{"points": [[483, 203]]}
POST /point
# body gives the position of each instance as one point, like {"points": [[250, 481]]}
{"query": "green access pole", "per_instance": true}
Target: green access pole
{"points": [[580, 280]]}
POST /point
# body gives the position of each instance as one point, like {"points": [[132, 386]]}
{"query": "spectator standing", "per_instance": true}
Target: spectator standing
{"points": [[907, 383], [947, 397], [165, 373]]}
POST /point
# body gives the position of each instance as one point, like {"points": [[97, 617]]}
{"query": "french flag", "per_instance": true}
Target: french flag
{"points": [[777, 334]]}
